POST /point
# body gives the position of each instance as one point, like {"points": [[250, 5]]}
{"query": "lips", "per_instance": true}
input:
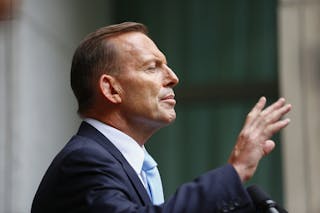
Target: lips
{"points": [[169, 99]]}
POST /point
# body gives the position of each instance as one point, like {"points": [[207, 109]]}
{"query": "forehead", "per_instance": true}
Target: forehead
{"points": [[138, 46]]}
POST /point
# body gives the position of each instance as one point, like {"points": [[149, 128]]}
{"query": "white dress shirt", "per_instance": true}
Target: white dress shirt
{"points": [[129, 148]]}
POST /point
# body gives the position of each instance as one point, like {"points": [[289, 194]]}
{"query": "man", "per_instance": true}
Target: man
{"points": [[124, 89]]}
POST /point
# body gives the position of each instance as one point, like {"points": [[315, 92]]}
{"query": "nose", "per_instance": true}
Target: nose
{"points": [[171, 79]]}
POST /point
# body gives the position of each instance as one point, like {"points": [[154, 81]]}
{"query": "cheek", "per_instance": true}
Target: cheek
{"points": [[141, 89], [143, 94], [148, 89], [149, 96]]}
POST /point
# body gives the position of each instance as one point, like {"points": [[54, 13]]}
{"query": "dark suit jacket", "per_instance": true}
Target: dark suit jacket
{"points": [[91, 175]]}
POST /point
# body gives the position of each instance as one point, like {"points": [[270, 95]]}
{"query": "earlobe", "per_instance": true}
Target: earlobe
{"points": [[109, 89]]}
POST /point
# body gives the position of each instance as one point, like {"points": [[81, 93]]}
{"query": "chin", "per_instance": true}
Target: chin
{"points": [[167, 117], [171, 118]]}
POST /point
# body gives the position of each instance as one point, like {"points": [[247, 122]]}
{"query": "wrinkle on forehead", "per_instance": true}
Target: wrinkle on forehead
{"points": [[139, 46]]}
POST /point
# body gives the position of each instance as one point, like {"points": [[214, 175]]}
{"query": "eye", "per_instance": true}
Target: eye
{"points": [[151, 68]]}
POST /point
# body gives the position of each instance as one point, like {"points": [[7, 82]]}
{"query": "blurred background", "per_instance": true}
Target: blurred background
{"points": [[226, 53]]}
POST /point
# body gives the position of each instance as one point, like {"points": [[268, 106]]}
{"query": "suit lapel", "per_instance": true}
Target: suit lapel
{"points": [[92, 133]]}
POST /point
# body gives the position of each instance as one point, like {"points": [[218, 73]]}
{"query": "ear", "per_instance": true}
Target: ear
{"points": [[110, 88]]}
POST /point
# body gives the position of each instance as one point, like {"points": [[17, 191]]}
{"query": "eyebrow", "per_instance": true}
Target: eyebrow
{"points": [[156, 60]]}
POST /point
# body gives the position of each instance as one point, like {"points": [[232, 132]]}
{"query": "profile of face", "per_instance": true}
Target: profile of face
{"points": [[146, 82]]}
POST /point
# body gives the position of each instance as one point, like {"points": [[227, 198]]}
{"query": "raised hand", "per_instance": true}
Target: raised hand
{"points": [[254, 141]]}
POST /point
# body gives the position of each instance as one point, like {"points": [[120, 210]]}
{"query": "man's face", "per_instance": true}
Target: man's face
{"points": [[146, 82]]}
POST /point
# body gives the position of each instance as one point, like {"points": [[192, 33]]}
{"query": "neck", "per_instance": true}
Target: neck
{"points": [[139, 131]]}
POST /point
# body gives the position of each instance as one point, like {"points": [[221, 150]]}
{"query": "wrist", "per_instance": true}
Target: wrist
{"points": [[243, 171]]}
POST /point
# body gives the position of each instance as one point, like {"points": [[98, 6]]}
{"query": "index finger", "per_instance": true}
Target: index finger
{"points": [[256, 110]]}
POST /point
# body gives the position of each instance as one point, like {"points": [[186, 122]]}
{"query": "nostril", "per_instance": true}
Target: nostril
{"points": [[173, 82], [175, 78]]}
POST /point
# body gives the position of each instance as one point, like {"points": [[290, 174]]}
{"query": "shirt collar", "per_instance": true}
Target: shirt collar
{"points": [[128, 147]]}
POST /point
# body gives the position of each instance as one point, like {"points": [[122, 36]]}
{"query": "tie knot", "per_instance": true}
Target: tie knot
{"points": [[148, 162]]}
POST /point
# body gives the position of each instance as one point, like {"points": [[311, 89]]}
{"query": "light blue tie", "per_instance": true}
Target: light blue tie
{"points": [[153, 179]]}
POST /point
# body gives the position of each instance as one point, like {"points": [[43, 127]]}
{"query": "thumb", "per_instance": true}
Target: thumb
{"points": [[268, 146]]}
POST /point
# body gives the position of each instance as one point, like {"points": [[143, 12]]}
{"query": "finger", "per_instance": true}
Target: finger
{"points": [[276, 127], [256, 110], [276, 115], [267, 119], [268, 146], [276, 105]]}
